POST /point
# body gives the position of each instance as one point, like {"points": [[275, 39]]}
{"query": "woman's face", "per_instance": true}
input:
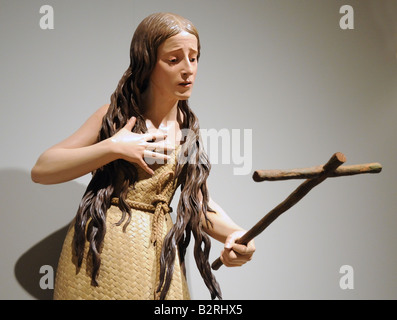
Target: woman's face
{"points": [[175, 71]]}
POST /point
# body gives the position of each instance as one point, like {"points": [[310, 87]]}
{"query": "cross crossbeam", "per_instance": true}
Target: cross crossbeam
{"points": [[314, 176]]}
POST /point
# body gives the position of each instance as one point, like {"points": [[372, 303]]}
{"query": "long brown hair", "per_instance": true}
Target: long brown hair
{"points": [[192, 175]]}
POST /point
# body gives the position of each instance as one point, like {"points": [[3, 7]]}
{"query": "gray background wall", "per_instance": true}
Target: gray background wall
{"points": [[282, 68]]}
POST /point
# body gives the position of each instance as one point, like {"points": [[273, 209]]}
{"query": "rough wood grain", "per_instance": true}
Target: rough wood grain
{"points": [[317, 175], [312, 172]]}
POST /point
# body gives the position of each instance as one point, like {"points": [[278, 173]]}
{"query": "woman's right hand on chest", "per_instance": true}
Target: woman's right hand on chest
{"points": [[135, 147], [80, 153]]}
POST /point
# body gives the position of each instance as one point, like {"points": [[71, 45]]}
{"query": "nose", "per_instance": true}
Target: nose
{"points": [[187, 69]]}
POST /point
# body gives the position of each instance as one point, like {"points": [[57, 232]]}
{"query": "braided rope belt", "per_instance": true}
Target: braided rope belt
{"points": [[159, 207]]}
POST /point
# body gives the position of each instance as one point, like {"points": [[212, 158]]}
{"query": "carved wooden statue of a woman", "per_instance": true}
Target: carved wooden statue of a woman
{"points": [[140, 148]]}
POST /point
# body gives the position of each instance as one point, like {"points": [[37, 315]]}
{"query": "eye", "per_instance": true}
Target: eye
{"points": [[193, 59], [173, 60]]}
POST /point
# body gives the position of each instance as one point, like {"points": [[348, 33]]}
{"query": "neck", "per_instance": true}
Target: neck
{"points": [[162, 113], [159, 110]]}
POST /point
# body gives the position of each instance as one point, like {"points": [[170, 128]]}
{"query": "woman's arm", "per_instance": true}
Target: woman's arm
{"points": [[225, 230], [80, 153], [222, 224]]}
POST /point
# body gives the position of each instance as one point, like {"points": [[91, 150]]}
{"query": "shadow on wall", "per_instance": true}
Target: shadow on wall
{"points": [[28, 209], [46, 252]]}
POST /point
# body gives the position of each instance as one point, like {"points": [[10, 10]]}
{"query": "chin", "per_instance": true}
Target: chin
{"points": [[183, 96]]}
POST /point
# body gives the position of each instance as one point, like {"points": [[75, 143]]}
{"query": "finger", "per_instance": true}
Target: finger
{"points": [[155, 136], [242, 259], [231, 240], [230, 259], [231, 255], [243, 249], [226, 259], [145, 167], [159, 147], [130, 123], [155, 155]]}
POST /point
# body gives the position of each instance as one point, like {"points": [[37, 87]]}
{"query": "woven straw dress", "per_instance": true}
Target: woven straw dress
{"points": [[129, 260]]}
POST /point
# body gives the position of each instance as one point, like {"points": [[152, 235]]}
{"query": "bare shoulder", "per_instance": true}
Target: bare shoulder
{"points": [[95, 120], [104, 108], [102, 111]]}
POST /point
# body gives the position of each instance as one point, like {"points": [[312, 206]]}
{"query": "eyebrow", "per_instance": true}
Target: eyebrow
{"points": [[179, 49]]}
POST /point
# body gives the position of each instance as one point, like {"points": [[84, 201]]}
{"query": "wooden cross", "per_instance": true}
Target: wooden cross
{"points": [[314, 176]]}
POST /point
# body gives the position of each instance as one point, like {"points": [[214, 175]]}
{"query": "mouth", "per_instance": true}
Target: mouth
{"points": [[186, 84]]}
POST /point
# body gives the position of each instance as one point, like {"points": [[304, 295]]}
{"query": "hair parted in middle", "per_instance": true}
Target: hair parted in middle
{"points": [[126, 102]]}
